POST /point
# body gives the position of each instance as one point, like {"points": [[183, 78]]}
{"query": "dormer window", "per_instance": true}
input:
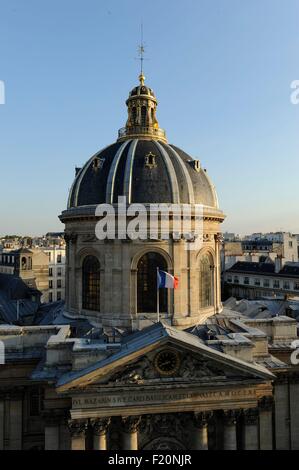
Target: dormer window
{"points": [[195, 164], [150, 160], [98, 163]]}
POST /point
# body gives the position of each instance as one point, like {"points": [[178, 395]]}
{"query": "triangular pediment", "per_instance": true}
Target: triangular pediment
{"points": [[163, 353]]}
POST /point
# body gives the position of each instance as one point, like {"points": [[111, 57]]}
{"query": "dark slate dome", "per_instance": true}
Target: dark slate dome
{"points": [[141, 165], [142, 90], [145, 171]]}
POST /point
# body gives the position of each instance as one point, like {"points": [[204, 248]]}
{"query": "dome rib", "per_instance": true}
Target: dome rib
{"points": [[171, 173], [186, 174], [127, 192], [112, 173], [122, 169], [74, 191]]}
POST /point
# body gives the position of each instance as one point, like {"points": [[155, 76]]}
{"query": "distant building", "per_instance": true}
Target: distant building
{"points": [[285, 241], [231, 252], [230, 237], [57, 259], [31, 265], [255, 280], [9, 244], [18, 302], [258, 248]]}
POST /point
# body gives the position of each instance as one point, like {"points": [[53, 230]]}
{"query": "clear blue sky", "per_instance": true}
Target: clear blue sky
{"points": [[221, 70]]}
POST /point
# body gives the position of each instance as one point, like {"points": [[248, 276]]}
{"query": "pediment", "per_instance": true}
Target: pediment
{"points": [[191, 367], [136, 363]]}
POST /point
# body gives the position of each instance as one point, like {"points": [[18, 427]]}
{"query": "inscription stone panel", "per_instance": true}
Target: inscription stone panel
{"points": [[143, 398]]}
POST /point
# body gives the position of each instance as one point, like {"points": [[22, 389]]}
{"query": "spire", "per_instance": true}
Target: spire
{"points": [[142, 104], [141, 51]]}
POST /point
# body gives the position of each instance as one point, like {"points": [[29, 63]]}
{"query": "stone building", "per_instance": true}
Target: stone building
{"points": [[204, 377], [31, 265], [142, 167], [256, 280], [56, 287], [259, 247]]}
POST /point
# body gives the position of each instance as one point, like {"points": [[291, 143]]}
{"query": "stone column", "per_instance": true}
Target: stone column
{"points": [[251, 417], [71, 287], [294, 410], [230, 431], [200, 421], [130, 434], [266, 428], [217, 274], [128, 308], [77, 429], [51, 431], [177, 265], [282, 412], [15, 420], [100, 427], [1, 422]]}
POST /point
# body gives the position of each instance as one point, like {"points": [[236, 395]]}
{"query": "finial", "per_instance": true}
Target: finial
{"points": [[141, 78]]}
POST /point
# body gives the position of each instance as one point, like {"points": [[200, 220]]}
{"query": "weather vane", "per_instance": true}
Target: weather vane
{"points": [[141, 51]]}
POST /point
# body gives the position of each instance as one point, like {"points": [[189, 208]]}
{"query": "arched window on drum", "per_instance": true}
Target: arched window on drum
{"points": [[206, 281], [91, 278], [147, 283]]}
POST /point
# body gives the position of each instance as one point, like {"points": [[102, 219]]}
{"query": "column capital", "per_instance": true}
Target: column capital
{"points": [[251, 416], [70, 237], [201, 419], [218, 237], [100, 425], [77, 427], [231, 416], [266, 403], [130, 423]]}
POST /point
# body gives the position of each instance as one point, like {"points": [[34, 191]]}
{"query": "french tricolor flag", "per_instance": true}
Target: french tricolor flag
{"points": [[167, 280]]}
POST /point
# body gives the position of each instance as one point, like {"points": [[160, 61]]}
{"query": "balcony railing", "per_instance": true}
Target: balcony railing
{"points": [[140, 130]]}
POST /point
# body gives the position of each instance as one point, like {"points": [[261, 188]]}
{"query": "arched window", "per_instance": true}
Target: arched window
{"points": [[206, 282], [91, 283], [134, 115], [143, 116], [147, 283], [24, 263]]}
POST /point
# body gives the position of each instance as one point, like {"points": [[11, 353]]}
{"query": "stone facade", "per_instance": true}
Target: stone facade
{"points": [[94, 395], [202, 378], [119, 259]]}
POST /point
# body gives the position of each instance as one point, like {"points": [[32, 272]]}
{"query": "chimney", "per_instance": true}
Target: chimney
{"points": [[279, 263]]}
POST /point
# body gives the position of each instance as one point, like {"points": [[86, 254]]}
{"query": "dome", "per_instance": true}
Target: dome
{"points": [[112, 275], [145, 171], [141, 165], [142, 90]]}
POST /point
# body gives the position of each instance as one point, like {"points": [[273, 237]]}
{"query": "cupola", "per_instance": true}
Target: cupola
{"points": [[142, 120]]}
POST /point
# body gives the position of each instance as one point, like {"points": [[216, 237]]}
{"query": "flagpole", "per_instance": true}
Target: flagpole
{"points": [[158, 303]]}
